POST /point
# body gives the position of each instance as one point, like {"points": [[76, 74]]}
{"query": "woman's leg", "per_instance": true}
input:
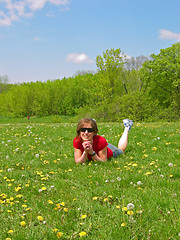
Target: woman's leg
{"points": [[123, 141]]}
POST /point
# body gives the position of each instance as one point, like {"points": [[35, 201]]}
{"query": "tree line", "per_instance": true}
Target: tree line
{"points": [[144, 89]]}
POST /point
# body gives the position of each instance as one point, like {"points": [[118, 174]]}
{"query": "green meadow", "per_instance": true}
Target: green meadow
{"points": [[44, 195]]}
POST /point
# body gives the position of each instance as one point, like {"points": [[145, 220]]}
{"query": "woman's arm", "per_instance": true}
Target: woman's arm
{"points": [[102, 155], [79, 157], [82, 157]]}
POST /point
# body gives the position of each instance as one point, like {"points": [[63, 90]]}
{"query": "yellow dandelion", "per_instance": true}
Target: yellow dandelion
{"points": [[154, 148], [83, 216], [25, 206], [124, 209], [66, 209], [23, 223], [81, 234], [139, 211], [8, 239], [95, 198], [106, 199], [55, 230], [10, 231], [50, 202], [118, 206], [17, 189], [148, 173], [40, 218], [123, 224], [63, 204], [134, 165], [130, 212], [19, 196], [43, 188], [59, 234]]}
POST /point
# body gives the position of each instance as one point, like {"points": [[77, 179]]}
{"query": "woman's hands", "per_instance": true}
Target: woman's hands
{"points": [[87, 145]]}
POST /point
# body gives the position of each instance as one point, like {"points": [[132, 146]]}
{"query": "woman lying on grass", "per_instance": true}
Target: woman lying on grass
{"points": [[88, 145]]}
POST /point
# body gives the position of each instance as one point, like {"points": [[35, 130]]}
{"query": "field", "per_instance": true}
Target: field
{"points": [[45, 195]]}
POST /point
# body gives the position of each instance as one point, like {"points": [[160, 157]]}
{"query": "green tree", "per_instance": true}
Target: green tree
{"points": [[161, 76], [110, 67]]}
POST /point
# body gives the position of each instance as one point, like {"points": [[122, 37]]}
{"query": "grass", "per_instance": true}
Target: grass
{"points": [[45, 195]]}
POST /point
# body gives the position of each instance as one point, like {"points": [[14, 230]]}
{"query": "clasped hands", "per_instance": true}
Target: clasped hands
{"points": [[87, 145]]}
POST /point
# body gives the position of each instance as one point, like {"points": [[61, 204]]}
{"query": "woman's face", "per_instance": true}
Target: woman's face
{"points": [[85, 134]]}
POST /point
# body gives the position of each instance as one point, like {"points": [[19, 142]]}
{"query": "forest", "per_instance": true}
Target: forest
{"points": [[141, 88]]}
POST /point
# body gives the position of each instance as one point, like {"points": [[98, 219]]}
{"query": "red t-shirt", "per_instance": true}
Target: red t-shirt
{"points": [[99, 143]]}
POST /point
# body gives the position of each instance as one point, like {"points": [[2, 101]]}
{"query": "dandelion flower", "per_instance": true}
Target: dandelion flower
{"points": [[81, 234], [148, 173], [66, 209], [55, 230], [83, 216], [40, 218], [123, 224], [95, 198], [130, 212], [170, 164], [154, 148], [10, 231], [59, 234], [124, 209], [23, 223], [130, 206], [118, 206], [139, 183]]}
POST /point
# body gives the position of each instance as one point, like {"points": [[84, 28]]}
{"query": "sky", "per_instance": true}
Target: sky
{"points": [[44, 40]]}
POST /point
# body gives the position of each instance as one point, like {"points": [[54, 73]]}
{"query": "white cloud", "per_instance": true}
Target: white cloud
{"points": [[78, 58], [36, 38], [165, 34], [12, 10]]}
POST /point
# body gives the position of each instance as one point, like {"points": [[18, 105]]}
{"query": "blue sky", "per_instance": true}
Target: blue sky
{"points": [[51, 39]]}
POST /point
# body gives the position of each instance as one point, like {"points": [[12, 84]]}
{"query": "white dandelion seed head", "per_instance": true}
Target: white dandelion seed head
{"points": [[170, 165], [118, 178], [130, 206], [139, 183]]}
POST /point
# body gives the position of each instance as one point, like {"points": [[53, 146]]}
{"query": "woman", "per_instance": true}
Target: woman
{"points": [[88, 145]]}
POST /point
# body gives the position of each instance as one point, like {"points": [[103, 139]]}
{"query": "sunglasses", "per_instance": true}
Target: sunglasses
{"points": [[90, 130]]}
